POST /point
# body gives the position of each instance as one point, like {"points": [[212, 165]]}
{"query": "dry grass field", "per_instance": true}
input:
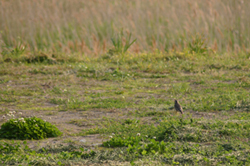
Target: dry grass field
{"points": [[87, 26]]}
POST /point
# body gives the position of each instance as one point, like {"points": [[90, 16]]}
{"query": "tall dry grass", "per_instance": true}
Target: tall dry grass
{"points": [[87, 26]]}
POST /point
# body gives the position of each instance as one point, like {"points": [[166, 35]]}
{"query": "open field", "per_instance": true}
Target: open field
{"points": [[106, 74], [130, 97]]}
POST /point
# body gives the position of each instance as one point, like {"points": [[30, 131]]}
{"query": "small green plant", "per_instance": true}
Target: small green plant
{"points": [[119, 47], [15, 51], [27, 128], [197, 45]]}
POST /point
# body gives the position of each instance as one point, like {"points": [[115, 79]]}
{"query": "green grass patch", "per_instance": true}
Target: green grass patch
{"points": [[128, 104]]}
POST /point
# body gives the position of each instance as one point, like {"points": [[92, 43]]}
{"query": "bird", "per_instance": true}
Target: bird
{"points": [[178, 107]]}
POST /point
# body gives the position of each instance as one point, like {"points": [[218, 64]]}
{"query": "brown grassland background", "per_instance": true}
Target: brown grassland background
{"points": [[86, 26]]}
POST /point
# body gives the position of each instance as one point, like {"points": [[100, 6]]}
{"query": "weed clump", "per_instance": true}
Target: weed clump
{"points": [[198, 45], [119, 46], [28, 128]]}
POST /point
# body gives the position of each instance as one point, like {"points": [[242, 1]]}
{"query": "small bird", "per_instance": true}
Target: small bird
{"points": [[178, 107]]}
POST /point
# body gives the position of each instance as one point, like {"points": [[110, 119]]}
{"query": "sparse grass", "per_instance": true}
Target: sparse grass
{"points": [[126, 101], [80, 122]]}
